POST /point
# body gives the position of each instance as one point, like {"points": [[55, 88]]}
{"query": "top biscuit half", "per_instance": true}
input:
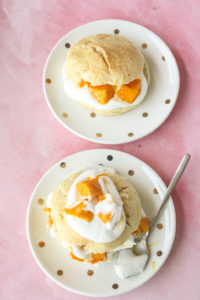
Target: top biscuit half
{"points": [[104, 59]]}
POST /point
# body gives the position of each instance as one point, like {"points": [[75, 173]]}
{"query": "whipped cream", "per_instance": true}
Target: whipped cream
{"points": [[96, 230], [129, 264], [83, 95]]}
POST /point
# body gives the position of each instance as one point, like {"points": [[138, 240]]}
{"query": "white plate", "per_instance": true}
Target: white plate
{"points": [[158, 104], [53, 256]]}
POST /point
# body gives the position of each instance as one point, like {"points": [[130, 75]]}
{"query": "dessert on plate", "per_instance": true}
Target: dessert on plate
{"points": [[106, 73], [96, 214]]}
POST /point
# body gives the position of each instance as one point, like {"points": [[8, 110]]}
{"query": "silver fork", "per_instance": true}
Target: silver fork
{"points": [[177, 175]]}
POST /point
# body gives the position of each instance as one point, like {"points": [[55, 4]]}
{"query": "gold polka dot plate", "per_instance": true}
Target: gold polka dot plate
{"points": [[143, 119], [83, 278]]}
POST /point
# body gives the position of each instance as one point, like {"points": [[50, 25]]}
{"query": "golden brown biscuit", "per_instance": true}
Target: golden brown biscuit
{"points": [[104, 59], [132, 209]]}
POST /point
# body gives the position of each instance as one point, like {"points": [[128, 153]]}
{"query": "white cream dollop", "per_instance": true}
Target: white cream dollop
{"points": [[129, 264], [83, 95], [96, 230]]}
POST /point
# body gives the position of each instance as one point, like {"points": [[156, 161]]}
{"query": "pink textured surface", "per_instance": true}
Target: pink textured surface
{"points": [[32, 140]]}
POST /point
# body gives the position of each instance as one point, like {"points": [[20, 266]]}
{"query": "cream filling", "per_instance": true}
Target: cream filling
{"points": [[83, 95], [96, 230]]}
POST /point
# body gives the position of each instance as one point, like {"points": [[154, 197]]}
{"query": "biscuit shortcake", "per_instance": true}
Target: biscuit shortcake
{"points": [[106, 73], [95, 213]]}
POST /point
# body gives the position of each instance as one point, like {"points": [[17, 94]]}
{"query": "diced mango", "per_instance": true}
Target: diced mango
{"points": [[50, 220], [82, 83], [88, 188], [101, 198], [143, 226], [48, 209], [79, 212], [105, 218], [97, 257], [102, 93], [129, 92], [137, 232]]}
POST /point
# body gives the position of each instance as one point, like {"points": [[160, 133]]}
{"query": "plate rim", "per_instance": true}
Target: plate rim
{"points": [[117, 142], [28, 232]]}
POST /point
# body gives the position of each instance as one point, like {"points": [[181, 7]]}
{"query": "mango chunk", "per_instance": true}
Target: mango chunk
{"points": [[97, 257], [143, 226], [48, 209], [82, 83], [101, 198], [79, 212], [88, 188], [50, 220], [105, 218], [129, 92], [102, 93]]}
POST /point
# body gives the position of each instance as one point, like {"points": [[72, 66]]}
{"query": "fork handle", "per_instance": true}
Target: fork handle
{"points": [[174, 181]]}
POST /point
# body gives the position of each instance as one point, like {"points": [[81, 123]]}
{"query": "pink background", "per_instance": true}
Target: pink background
{"points": [[32, 140]]}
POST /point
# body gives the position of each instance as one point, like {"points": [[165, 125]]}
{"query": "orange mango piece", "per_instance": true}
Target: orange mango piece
{"points": [[97, 258], [105, 217], [88, 188], [101, 198], [129, 92], [137, 232], [50, 220], [74, 256], [82, 83], [48, 209], [102, 93], [79, 212], [143, 226]]}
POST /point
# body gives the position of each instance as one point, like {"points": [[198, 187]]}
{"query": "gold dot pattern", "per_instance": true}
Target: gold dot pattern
{"points": [[41, 244], [98, 134], [40, 201], [115, 286], [159, 253], [65, 115], [90, 272], [116, 31], [92, 115], [144, 46], [63, 164], [130, 134], [159, 226], [48, 80], [167, 101], [131, 172], [145, 114], [163, 58], [155, 191], [67, 45], [60, 272]]}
